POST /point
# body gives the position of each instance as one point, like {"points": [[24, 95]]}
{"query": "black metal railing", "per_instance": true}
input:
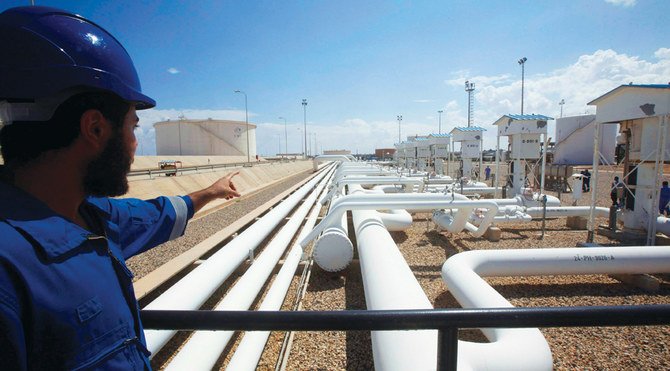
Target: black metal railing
{"points": [[446, 321]]}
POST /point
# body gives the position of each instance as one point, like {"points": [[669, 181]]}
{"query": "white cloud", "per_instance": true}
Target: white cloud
{"points": [[423, 100], [624, 3], [173, 70], [662, 53], [591, 76]]}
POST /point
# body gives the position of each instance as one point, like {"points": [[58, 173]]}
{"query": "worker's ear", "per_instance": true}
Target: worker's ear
{"points": [[94, 128]]}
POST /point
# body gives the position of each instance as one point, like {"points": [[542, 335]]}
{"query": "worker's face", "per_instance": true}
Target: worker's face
{"points": [[106, 175]]}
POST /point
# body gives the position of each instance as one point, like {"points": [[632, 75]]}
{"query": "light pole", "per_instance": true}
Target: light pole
{"points": [[399, 119], [285, 136], [522, 62], [561, 103], [439, 122], [304, 112], [246, 120], [469, 88]]}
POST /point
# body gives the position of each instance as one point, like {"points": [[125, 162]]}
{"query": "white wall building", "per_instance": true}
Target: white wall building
{"points": [[574, 140]]}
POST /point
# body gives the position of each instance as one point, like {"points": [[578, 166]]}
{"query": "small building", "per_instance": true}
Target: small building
{"points": [[471, 148], [642, 112], [526, 135]]}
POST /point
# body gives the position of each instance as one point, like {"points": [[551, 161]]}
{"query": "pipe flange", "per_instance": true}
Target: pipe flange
{"points": [[333, 252]]}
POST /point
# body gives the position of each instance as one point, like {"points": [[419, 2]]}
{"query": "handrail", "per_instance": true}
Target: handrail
{"points": [[158, 171], [446, 321]]}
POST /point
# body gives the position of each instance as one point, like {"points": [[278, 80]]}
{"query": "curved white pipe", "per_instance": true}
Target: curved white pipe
{"points": [[459, 222], [204, 348], [396, 220], [526, 349], [420, 201], [195, 288], [249, 350]]}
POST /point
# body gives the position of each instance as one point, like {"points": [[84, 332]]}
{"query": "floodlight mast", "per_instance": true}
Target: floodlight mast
{"points": [[469, 87]]}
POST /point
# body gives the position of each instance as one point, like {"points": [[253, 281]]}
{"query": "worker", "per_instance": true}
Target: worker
{"points": [[614, 192], [487, 171], [586, 183], [68, 98], [664, 201]]}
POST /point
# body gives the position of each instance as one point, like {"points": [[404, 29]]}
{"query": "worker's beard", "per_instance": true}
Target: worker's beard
{"points": [[106, 176]]}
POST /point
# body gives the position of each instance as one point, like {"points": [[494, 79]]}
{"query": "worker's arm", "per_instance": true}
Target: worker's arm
{"points": [[222, 188]]}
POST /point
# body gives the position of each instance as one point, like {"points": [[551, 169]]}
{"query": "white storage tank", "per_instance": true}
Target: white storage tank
{"points": [[574, 140], [205, 138]]}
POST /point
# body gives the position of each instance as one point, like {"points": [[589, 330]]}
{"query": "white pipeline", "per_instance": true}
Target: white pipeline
{"points": [[663, 225], [195, 288], [526, 349], [249, 350], [203, 349], [390, 284], [414, 201]]}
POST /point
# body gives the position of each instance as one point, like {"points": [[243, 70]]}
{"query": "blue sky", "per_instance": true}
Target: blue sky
{"points": [[361, 63]]}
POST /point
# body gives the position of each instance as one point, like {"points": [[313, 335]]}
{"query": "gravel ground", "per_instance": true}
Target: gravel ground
{"points": [[200, 229], [425, 249]]}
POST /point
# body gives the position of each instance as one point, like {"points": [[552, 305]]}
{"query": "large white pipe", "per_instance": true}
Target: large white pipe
{"points": [[346, 179], [195, 288], [564, 211], [396, 220], [526, 349], [203, 349], [333, 251], [414, 201], [390, 284], [249, 350], [456, 223], [663, 225]]}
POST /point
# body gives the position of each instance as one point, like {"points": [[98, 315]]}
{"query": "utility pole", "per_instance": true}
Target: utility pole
{"points": [[439, 122], [522, 62], [304, 111]]}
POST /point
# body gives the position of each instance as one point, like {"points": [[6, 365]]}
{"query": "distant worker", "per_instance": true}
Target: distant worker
{"points": [[68, 99], [487, 171], [614, 192], [664, 201], [586, 183]]}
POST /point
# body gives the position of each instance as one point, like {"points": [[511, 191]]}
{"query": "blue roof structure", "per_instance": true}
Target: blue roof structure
{"points": [[529, 117], [650, 86], [471, 128], [418, 139], [440, 135]]}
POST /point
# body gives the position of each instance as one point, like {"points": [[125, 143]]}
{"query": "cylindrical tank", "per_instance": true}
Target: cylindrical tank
{"points": [[205, 138]]}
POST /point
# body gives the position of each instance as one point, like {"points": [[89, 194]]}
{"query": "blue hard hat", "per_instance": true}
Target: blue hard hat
{"points": [[48, 51]]}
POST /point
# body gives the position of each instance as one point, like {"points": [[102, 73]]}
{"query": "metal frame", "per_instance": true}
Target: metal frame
{"points": [[446, 321]]}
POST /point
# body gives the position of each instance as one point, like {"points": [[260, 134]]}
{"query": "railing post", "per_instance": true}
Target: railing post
{"points": [[447, 349]]}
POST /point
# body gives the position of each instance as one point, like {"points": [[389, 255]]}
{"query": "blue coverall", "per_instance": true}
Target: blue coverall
{"points": [[66, 295]]}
